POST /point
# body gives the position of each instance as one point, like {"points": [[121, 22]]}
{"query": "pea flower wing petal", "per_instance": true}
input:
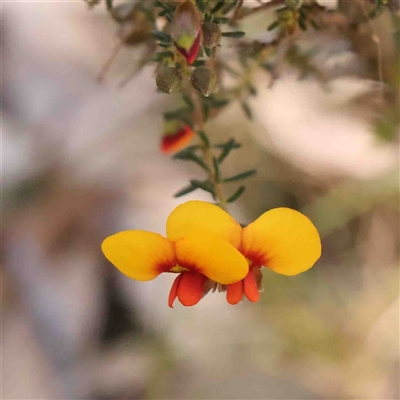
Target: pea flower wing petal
{"points": [[283, 240], [139, 255]]}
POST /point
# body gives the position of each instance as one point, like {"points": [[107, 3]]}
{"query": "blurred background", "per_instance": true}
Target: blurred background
{"points": [[81, 161]]}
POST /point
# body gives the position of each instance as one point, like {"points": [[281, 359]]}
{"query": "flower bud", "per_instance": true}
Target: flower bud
{"points": [[204, 80], [211, 34], [169, 80], [176, 136], [186, 30]]}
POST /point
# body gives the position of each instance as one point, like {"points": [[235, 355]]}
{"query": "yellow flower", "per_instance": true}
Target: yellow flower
{"points": [[281, 239], [199, 257]]}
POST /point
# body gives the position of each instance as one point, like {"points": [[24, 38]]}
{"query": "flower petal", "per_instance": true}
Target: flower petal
{"points": [[202, 216], [283, 240], [250, 286], [172, 142], [139, 255], [174, 291], [234, 293], [189, 52], [191, 288], [211, 256]]}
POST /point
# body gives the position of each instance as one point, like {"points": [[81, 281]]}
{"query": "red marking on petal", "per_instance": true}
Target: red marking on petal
{"points": [[191, 288], [257, 259], [234, 293], [174, 291], [191, 55], [251, 287], [177, 141]]}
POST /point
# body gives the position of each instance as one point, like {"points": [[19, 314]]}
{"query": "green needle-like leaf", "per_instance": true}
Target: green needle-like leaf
{"points": [[204, 138], [188, 102], [208, 51], [207, 186], [216, 103], [274, 25], [198, 63], [226, 149], [185, 190], [237, 194], [162, 36], [189, 156], [235, 35], [247, 111], [218, 6], [230, 6], [238, 177], [109, 4], [216, 170], [201, 5]]}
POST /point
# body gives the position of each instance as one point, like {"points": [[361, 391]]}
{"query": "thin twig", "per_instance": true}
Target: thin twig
{"points": [[207, 152], [243, 14], [108, 63]]}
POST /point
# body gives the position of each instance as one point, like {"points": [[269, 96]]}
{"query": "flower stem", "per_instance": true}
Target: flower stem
{"points": [[198, 116]]}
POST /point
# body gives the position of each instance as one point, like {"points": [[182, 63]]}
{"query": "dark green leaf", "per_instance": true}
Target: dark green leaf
{"points": [[198, 63], [204, 138], [229, 143], [238, 177], [183, 153], [207, 18], [109, 4], [230, 6], [164, 44], [201, 5], [302, 13], [228, 147], [162, 36], [216, 170], [302, 24], [185, 190], [218, 6], [236, 35], [236, 195], [247, 110], [208, 51], [216, 103], [274, 25], [191, 157], [188, 101], [203, 185], [176, 114]]}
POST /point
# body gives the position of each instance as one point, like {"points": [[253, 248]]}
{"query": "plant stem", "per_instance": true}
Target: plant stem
{"points": [[240, 14], [198, 117]]}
